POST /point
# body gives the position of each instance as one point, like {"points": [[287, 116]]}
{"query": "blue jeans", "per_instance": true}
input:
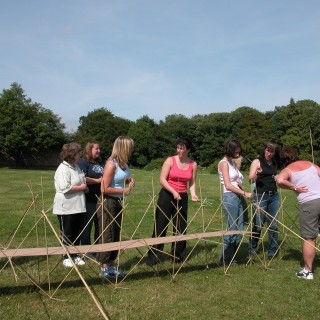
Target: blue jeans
{"points": [[269, 203], [90, 214], [232, 207]]}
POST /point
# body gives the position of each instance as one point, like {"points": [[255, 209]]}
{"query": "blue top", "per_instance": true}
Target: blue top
{"points": [[119, 179], [92, 170]]}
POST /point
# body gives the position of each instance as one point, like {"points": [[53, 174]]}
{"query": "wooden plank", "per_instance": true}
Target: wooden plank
{"points": [[123, 245]]}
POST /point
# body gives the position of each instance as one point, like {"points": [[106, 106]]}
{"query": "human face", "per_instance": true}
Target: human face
{"points": [[77, 157], [95, 151], [269, 152], [182, 150], [237, 154]]}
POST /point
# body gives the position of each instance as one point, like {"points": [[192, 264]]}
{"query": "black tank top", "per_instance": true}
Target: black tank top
{"points": [[265, 180]]}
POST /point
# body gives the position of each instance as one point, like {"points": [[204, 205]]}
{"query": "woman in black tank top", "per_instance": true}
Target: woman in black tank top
{"points": [[262, 175]]}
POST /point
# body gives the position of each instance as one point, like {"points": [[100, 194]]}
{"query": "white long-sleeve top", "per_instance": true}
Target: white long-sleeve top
{"points": [[65, 178]]}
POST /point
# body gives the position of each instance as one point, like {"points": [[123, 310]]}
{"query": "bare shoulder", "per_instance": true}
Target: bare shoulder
{"points": [[255, 163]]}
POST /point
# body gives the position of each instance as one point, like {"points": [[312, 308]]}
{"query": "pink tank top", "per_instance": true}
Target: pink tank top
{"points": [[177, 178]]}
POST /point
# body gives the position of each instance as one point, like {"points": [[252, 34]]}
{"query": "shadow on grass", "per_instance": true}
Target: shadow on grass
{"points": [[202, 257]]}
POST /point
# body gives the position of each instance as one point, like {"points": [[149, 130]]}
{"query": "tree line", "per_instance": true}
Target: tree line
{"points": [[27, 128]]}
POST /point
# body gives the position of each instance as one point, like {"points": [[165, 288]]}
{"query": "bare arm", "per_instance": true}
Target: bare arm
{"points": [[163, 178], [108, 174], [254, 169], [283, 181], [224, 168], [192, 184], [93, 180]]}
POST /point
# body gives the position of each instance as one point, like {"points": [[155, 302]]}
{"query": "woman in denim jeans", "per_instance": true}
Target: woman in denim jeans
{"points": [[263, 174], [231, 199]]}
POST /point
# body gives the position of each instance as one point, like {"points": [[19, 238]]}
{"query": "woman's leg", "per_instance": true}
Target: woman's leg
{"points": [[180, 227], [273, 210], [163, 215], [231, 207]]}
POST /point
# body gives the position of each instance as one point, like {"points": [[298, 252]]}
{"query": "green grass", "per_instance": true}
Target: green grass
{"points": [[201, 290]]}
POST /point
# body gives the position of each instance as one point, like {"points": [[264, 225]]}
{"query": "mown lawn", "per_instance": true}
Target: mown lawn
{"points": [[201, 289]]}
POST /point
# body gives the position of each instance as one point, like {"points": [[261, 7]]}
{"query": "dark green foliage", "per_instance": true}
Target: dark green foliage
{"points": [[143, 132], [210, 134], [213, 168], [155, 164], [26, 128], [102, 126]]}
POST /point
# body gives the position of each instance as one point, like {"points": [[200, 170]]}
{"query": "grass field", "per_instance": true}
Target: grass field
{"points": [[200, 290]]}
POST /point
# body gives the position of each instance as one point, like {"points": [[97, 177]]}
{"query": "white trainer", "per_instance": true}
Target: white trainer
{"points": [[305, 274], [67, 263], [79, 262]]}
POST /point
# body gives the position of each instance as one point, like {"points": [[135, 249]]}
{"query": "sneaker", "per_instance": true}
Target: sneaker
{"points": [[67, 263], [304, 274], [118, 272], [105, 272], [112, 272], [79, 262]]}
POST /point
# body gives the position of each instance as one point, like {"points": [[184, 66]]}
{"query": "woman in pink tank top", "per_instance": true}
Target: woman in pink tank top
{"points": [[303, 177], [177, 172]]}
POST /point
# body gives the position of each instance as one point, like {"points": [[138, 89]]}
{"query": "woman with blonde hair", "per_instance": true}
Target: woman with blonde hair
{"points": [[116, 184]]}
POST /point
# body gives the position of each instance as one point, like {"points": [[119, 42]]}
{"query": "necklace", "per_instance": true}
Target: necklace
{"points": [[185, 161]]}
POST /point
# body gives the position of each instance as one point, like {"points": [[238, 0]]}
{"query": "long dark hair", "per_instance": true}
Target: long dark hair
{"points": [[272, 144]]}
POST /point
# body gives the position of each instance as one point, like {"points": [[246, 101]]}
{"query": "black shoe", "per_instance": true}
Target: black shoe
{"points": [[177, 260], [152, 260]]}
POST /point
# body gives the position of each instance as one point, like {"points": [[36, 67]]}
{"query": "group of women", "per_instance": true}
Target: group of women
{"points": [[302, 177], [90, 192]]}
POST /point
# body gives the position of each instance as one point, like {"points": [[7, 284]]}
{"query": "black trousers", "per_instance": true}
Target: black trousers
{"points": [[71, 226], [109, 219], [168, 209]]}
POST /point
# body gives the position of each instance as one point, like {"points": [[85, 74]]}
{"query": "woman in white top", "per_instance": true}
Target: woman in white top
{"points": [[231, 199], [303, 177], [69, 201]]}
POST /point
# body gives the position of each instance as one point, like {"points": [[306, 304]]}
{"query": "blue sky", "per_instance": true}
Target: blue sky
{"points": [[155, 58]]}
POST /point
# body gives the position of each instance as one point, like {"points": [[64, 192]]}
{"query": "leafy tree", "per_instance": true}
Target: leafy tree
{"points": [[301, 124], [169, 130], [210, 134], [251, 128], [26, 128], [143, 132], [276, 119], [101, 125]]}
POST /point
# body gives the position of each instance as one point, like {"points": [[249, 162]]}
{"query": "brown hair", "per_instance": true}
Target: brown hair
{"points": [[69, 151], [289, 155], [231, 147], [87, 152]]}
